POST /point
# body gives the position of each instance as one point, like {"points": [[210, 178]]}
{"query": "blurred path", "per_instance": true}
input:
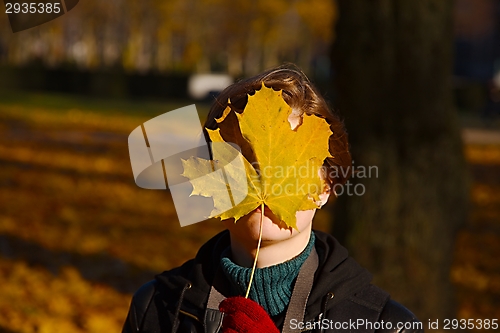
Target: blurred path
{"points": [[476, 268], [480, 136]]}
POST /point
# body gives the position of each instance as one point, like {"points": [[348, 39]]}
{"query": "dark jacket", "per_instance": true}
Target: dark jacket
{"points": [[340, 298]]}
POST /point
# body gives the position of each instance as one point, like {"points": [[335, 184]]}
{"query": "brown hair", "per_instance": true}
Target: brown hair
{"points": [[299, 94]]}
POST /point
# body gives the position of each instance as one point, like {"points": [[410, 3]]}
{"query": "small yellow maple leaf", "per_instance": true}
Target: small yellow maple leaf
{"points": [[281, 164]]}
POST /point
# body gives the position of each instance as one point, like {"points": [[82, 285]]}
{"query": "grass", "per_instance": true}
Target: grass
{"points": [[73, 223]]}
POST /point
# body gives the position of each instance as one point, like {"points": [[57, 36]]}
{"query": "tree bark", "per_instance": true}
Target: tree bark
{"points": [[393, 62]]}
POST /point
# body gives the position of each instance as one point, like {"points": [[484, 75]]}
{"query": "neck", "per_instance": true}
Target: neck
{"points": [[271, 252]]}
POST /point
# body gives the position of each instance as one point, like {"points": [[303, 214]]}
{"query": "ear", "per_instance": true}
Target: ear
{"points": [[327, 187], [325, 195]]}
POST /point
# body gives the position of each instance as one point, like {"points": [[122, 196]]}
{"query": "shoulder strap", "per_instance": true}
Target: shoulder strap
{"points": [[301, 290], [213, 317]]}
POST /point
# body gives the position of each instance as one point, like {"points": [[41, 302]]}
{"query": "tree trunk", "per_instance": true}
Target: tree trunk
{"points": [[393, 62]]}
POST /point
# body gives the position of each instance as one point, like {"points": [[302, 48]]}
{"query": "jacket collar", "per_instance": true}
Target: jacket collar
{"points": [[337, 273]]}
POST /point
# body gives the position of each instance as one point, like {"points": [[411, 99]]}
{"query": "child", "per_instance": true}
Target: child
{"points": [[304, 281]]}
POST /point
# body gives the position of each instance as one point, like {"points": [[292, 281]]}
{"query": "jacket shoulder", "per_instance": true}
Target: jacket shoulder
{"points": [[373, 304], [139, 306], [399, 315], [371, 297]]}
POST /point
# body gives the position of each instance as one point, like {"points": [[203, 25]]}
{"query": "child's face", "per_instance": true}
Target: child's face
{"points": [[273, 229], [247, 227]]}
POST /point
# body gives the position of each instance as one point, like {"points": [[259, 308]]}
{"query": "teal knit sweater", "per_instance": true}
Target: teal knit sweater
{"points": [[272, 286]]}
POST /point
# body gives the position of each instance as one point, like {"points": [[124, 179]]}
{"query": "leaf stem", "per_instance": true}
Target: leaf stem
{"points": [[258, 248]]}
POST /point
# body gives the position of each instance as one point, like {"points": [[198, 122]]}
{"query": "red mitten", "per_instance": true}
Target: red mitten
{"points": [[242, 315]]}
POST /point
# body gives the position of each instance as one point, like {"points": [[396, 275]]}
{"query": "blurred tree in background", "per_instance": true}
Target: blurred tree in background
{"points": [[394, 60], [238, 37]]}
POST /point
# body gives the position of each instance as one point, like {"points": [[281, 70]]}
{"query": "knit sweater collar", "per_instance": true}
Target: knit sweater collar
{"points": [[272, 286]]}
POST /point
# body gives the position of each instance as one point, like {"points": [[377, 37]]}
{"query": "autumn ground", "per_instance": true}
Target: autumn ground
{"points": [[77, 236]]}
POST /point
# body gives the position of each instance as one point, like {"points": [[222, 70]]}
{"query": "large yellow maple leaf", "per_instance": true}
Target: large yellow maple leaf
{"points": [[281, 164]]}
